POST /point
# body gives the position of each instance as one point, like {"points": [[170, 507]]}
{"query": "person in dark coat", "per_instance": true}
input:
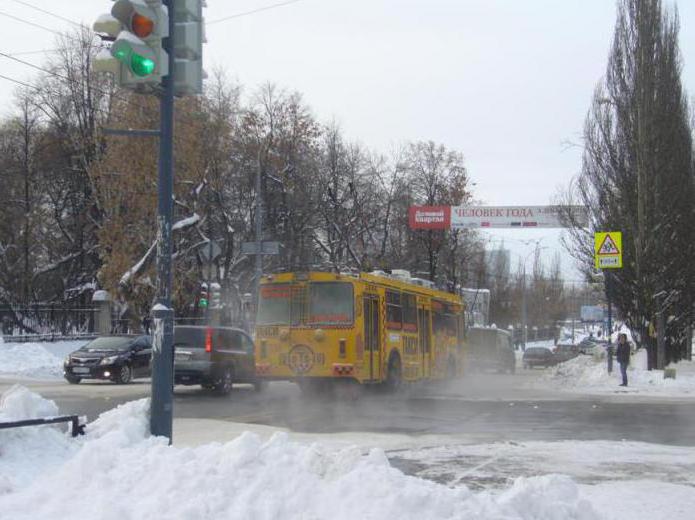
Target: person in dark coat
{"points": [[622, 355]]}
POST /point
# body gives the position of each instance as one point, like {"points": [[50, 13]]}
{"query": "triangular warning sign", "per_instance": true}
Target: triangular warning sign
{"points": [[608, 247]]}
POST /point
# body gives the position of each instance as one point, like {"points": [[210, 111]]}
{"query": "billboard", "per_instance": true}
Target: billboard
{"points": [[466, 217], [512, 216], [429, 217]]}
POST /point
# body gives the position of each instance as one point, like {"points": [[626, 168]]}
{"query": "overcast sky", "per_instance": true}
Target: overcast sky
{"points": [[505, 82]]}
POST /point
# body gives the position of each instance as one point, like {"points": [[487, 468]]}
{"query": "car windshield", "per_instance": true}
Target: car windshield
{"points": [[108, 343]]}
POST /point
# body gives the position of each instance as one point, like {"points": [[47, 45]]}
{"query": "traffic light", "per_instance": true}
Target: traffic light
{"points": [[188, 39], [136, 57], [215, 295], [203, 296]]}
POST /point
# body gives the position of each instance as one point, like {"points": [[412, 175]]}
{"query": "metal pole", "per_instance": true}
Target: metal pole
{"points": [[161, 414], [523, 310], [661, 339], [259, 231], [609, 350]]}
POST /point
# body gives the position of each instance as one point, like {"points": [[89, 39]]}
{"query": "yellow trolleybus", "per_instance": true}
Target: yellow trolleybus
{"points": [[374, 329]]}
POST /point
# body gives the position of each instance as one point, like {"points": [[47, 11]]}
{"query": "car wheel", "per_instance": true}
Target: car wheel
{"points": [[124, 375], [73, 380], [224, 384], [260, 386]]}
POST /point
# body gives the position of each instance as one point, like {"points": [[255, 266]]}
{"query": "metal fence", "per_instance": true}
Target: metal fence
{"points": [[46, 321]]}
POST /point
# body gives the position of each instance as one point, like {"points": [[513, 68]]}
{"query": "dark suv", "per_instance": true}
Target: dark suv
{"points": [[116, 358], [213, 357]]}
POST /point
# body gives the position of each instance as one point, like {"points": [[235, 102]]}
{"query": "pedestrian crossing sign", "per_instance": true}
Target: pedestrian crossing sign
{"points": [[608, 250]]}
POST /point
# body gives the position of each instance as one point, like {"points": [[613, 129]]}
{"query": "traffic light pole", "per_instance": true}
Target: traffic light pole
{"points": [[161, 414]]}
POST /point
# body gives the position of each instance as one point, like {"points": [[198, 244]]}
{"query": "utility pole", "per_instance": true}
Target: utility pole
{"points": [[161, 415], [609, 350], [259, 232], [524, 336]]}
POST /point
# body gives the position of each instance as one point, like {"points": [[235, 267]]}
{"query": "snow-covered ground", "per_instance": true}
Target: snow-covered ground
{"points": [[35, 360], [117, 471], [589, 375]]}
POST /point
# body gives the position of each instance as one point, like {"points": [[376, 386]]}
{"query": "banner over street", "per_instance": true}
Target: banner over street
{"points": [[466, 217]]}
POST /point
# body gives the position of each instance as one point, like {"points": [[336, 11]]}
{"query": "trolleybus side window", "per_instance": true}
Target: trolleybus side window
{"points": [[331, 303], [394, 311], [409, 312], [442, 321]]}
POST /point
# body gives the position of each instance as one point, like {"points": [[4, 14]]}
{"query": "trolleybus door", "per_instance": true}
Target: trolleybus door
{"points": [[424, 340], [372, 336]]}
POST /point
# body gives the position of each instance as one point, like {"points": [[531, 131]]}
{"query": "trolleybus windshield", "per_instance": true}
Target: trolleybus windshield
{"points": [[330, 303], [274, 305]]}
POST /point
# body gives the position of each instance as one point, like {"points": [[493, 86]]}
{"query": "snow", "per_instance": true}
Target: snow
{"points": [[186, 222], [116, 471], [622, 480], [101, 296], [36, 360], [589, 374]]}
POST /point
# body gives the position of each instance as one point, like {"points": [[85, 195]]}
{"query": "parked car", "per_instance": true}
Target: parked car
{"points": [[116, 358], [490, 348], [214, 357], [587, 346], [565, 352], [539, 356]]}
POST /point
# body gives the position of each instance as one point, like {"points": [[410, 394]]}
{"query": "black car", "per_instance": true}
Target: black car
{"points": [[538, 357], [587, 346], [214, 357], [565, 352], [116, 358]]}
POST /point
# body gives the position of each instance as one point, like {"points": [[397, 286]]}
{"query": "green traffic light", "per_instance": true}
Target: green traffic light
{"points": [[203, 303], [138, 63], [141, 66]]}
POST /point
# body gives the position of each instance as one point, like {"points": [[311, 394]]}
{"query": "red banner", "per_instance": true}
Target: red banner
{"points": [[429, 217]]}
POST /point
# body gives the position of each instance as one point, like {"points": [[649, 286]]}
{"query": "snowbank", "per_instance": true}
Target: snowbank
{"points": [[35, 360], [587, 374], [118, 472]]}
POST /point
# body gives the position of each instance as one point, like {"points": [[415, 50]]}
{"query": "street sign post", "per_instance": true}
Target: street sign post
{"points": [[608, 250], [608, 254], [267, 248]]}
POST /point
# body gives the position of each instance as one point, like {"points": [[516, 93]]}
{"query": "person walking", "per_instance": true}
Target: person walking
{"points": [[622, 355]]}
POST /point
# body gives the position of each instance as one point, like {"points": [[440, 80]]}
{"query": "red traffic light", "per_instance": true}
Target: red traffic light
{"points": [[142, 26]]}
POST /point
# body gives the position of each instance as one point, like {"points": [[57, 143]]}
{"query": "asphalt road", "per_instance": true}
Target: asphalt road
{"points": [[481, 408]]}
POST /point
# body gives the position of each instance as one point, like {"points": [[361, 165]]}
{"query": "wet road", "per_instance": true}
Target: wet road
{"points": [[483, 408]]}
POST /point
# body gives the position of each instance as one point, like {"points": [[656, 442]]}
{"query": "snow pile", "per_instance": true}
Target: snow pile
{"points": [[117, 472], [35, 360], [586, 374]]}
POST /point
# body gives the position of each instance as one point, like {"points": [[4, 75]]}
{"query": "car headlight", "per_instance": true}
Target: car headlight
{"points": [[109, 360], [66, 361]]}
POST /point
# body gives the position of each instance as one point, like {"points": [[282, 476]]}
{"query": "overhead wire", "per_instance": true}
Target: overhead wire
{"points": [[252, 11], [41, 10], [27, 22]]}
